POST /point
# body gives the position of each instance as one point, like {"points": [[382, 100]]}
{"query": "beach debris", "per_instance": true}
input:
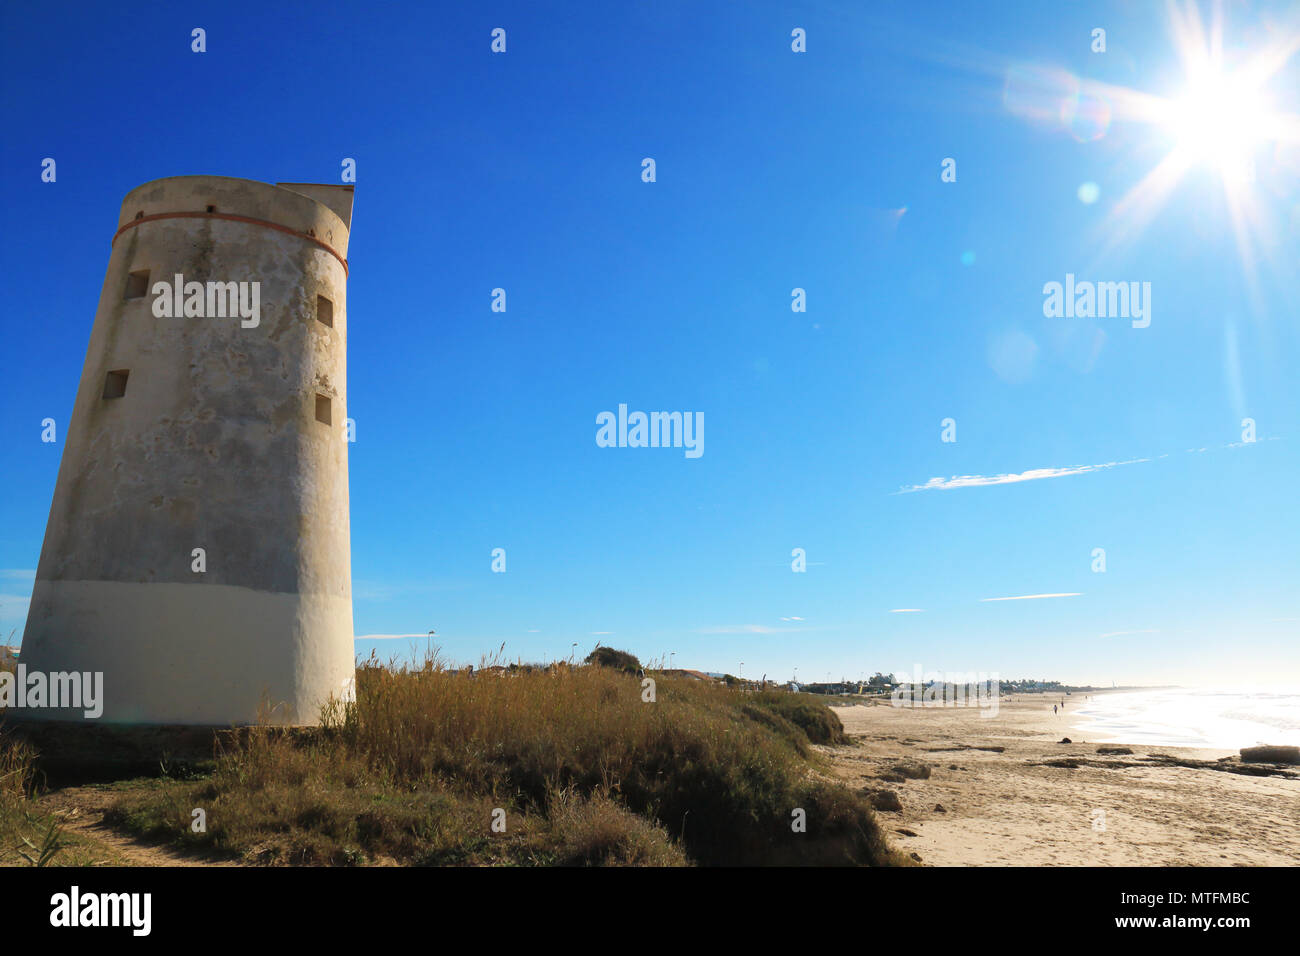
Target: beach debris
{"points": [[953, 766], [1066, 740], [1227, 765], [938, 808], [1270, 754], [883, 799], [905, 831], [1223, 764], [1114, 750], [890, 777], [912, 769], [942, 750], [916, 857]]}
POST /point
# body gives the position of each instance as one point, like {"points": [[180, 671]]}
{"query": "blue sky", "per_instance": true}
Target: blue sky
{"points": [[774, 170]]}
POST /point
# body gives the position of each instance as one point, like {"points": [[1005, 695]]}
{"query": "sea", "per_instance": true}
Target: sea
{"points": [[1178, 717]]}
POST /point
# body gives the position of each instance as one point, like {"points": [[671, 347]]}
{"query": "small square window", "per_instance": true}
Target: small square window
{"points": [[212, 209], [323, 409], [324, 311], [137, 284], [115, 383]]}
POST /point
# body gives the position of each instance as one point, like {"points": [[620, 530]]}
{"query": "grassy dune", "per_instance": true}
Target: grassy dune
{"points": [[575, 763]]}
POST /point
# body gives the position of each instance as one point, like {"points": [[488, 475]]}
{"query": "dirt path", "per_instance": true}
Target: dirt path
{"points": [[80, 812]]}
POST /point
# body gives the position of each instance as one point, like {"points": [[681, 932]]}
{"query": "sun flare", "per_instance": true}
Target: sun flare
{"points": [[1231, 113], [1221, 121]]}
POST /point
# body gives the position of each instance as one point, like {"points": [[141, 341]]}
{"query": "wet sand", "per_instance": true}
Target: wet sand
{"points": [[1014, 808]]}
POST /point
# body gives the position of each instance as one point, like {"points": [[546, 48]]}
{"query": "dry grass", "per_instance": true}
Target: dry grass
{"points": [[584, 768], [20, 825], [29, 836], [16, 774], [586, 771]]}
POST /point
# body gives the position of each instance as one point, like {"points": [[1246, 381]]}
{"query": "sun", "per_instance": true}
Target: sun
{"points": [[1223, 116], [1221, 120], [1229, 112]]}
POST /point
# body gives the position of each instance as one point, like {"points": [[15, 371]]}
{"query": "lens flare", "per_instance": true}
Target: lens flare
{"points": [[1087, 117]]}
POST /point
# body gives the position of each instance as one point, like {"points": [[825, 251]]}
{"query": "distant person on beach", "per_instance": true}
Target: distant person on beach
{"points": [[1053, 708]]}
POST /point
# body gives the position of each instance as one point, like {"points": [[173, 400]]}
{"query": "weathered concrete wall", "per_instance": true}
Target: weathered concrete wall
{"points": [[215, 445]]}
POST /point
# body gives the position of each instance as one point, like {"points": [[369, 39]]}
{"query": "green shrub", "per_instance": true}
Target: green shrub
{"points": [[619, 660]]}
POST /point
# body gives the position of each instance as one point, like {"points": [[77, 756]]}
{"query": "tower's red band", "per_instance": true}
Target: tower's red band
{"points": [[232, 218]]}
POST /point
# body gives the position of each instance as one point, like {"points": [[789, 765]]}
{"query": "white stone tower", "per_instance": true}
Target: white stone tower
{"points": [[211, 430]]}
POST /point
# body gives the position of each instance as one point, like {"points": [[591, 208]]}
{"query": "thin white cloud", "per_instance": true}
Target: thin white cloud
{"points": [[792, 619], [601, 633], [907, 610], [748, 629], [1034, 474], [1034, 597], [1122, 633]]}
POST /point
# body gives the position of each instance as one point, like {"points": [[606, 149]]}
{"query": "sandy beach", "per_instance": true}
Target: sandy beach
{"points": [[1028, 800]]}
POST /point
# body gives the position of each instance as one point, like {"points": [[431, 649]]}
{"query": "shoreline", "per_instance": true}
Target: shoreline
{"points": [[1079, 723], [1004, 790]]}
